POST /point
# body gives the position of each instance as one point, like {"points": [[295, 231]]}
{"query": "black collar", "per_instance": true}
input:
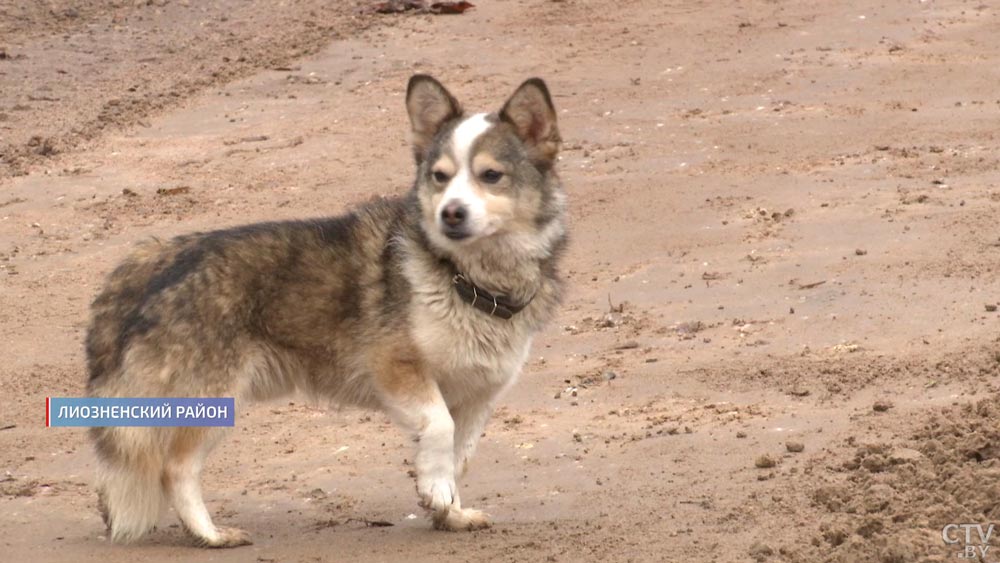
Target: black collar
{"points": [[493, 305]]}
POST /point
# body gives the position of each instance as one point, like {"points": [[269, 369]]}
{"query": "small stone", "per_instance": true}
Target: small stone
{"points": [[875, 463], [765, 462], [795, 447], [904, 455], [836, 536], [882, 406], [760, 551], [870, 527]]}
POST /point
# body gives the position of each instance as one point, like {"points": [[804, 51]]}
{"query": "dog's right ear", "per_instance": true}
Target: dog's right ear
{"points": [[430, 105]]}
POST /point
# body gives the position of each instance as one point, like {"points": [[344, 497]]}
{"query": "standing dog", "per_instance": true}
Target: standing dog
{"points": [[422, 306]]}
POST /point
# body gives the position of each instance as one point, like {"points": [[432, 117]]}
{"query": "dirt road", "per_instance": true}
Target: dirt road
{"points": [[785, 230]]}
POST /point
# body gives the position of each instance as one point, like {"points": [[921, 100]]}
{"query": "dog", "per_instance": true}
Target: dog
{"points": [[423, 306]]}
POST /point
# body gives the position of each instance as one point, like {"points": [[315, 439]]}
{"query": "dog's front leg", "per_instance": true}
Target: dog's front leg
{"points": [[470, 418], [413, 400]]}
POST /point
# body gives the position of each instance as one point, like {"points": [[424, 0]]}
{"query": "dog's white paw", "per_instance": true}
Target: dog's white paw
{"points": [[436, 494], [227, 537], [461, 519]]}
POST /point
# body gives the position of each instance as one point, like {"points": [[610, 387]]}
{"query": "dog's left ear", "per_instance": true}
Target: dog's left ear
{"points": [[531, 113], [430, 106]]}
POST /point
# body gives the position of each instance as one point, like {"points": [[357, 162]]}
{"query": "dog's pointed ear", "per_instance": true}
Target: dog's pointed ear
{"points": [[533, 116], [430, 105]]}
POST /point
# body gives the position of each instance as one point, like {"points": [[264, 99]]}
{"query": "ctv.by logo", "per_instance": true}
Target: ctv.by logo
{"points": [[955, 534]]}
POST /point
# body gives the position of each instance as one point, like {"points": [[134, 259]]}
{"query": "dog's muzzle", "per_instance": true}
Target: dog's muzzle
{"points": [[454, 220]]}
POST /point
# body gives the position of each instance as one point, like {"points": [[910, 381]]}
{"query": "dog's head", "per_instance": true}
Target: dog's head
{"points": [[484, 177]]}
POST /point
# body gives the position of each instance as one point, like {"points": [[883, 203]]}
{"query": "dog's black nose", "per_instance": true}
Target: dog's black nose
{"points": [[453, 214]]}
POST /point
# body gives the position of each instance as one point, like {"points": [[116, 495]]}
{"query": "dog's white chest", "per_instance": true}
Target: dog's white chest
{"points": [[468, 351]]}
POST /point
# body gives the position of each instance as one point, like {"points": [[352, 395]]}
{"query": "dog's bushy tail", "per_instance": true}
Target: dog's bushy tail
{"points": [[130, 489]]}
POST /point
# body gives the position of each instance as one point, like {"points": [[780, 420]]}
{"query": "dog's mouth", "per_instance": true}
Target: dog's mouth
{"points": [[456, 233]]}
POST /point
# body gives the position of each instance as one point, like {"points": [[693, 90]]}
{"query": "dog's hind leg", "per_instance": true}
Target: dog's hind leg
{"points": [[130, 496], [182, 480]]}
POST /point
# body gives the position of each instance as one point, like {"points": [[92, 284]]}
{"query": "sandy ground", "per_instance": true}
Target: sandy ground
{"points": [[785, 229]]}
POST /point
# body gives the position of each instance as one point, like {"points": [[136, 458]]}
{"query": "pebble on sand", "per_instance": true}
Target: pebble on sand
{"points": [[881, 406], [765, 462]]}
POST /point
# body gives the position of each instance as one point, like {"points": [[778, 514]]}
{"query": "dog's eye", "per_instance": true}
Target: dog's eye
{"points": [[491, 176], [440, 177]]}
